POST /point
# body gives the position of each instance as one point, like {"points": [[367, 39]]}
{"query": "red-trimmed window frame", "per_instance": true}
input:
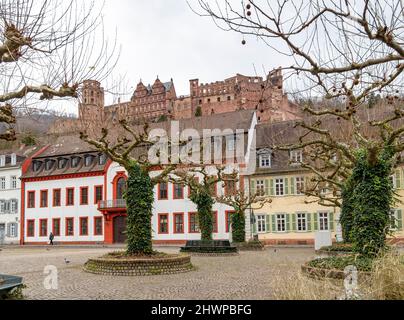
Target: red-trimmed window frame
{"points": [[67, 197], [41, 234], [189, 222], [29, 235], [81, 226], [228, 216], [159, 192], [95, 194], [168, 223], [81, 196], [174, 193], [216, 222], [56, 234], [95, 225], [29, 202], [54, 198], [66, 227], [40, 198], [175, 215], [227, 191], [215, 190]]}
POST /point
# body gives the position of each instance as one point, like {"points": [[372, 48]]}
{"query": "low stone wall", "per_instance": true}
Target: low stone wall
{"points": [[201, 254], [139, 267], [329, 273]]}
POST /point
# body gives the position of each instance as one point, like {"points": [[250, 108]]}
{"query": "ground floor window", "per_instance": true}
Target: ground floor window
{"points": [[69, 227], [12, 233], [302, 222], [281, 222], [228, 220], [323, 221], [56, 227], [163, 223], [84, 226], [30, 228], [98, 226], [43, 228], [178, 223], [193, 223], [261, 226], [215, 223]]}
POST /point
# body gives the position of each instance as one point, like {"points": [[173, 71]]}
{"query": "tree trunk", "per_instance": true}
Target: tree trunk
{"points": [[238, 226]]}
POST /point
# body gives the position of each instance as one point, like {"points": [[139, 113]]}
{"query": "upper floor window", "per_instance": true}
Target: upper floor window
{"points": [[62, 163], [120, 188], [49, 165], [3, 183], [178, 191], [75, 162], [260, 187], [323, 221], [265, 160], [13, 182], [296, 156], [279, 187], [300, 186], [13, 159], [231, 144], [88, 161], [102, 159], [36, 166], [2, 161], [163, 191]]}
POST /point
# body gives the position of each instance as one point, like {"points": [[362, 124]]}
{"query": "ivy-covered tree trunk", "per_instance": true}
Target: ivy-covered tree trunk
{"points": [[139, 199], [238, 226], [204, 202], [372, 200], [347, 209]]}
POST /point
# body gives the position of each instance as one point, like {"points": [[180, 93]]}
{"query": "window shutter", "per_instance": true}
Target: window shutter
{"points": [[253, 187], [400, 220], [286, 187], [309, 225], [398, 179], [255, 226], [292, 186], [16, 230], [315, 224], [8, 230], [7, 206], [332, 223], [287, 222], [274, 223], [271, 187], [268, 223], [293, 227]]}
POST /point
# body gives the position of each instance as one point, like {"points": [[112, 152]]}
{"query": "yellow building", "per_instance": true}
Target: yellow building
{"points": [[292, 218]]}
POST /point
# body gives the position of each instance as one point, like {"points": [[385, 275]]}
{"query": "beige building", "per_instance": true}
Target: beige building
{"points": [[292, 218]]}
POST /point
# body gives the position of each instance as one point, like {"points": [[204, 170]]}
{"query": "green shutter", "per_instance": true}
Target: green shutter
{"points": [[286, 180], [332, 223], [255, 226], [292, 186], [309, 225], [315, 222], [400, 220], [274, 223], [287, 222], [398, 179], [268, 223], [271, 187], [293, 227], [253, 187]]}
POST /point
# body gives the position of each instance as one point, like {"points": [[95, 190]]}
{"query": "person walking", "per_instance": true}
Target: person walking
{"points": [[51, 237]]}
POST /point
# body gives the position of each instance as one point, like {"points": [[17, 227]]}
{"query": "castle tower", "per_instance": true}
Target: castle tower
{"points": [[92, 104]]}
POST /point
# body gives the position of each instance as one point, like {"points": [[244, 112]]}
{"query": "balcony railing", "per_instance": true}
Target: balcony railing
{"points": [[112, 204]]}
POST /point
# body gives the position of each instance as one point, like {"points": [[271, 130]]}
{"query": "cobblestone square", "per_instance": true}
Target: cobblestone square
{"points": [[247, 276]]}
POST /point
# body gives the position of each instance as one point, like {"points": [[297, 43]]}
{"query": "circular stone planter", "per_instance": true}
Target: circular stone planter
{"points": [[170, 264], [320, 273], [328, 253], [213, 254]]}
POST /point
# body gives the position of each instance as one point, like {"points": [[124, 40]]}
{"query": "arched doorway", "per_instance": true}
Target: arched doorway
{"points": [[120, 229]]}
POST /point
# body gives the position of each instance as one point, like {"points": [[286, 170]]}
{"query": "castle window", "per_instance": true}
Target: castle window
{"points": [[228, 98], [218, 99]]}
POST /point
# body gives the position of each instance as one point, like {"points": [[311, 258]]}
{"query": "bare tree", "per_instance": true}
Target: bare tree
{"points": [[47, 49]]}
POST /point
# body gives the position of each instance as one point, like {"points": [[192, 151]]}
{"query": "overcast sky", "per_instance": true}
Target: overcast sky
{"points": [[165, 38]]}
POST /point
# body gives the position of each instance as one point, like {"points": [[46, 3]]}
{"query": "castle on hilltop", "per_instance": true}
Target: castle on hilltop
{"points": [[159, 102]]}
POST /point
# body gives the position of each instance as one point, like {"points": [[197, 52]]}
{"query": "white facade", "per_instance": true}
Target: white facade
{"points": [[10, 204], [48, 216]]}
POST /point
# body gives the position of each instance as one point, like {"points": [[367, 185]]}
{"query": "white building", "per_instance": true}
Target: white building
{"points": [[11, 166], [77, 193]]}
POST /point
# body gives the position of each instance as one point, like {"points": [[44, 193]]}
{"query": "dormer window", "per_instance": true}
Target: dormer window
{"points": [[2, 161], [75, 162], [36, 166], [13, 159], [88, 160], [102, 159], [49, 164], [296, 156], [265, 158], [62, 163]]}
